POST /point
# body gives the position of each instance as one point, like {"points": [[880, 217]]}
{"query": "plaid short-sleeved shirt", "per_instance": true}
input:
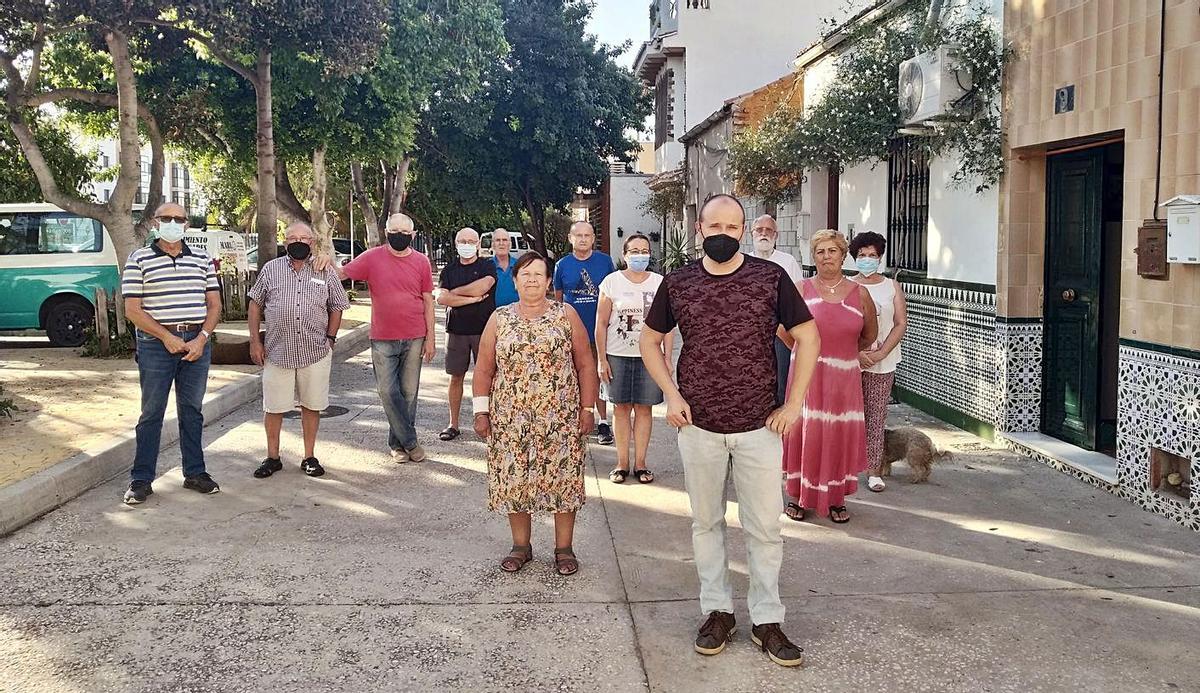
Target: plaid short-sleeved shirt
{"points": [[296, 307], [173, 289]]}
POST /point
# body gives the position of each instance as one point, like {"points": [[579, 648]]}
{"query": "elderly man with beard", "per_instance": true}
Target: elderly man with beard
{"points": [[766, 235], [303, 309]]}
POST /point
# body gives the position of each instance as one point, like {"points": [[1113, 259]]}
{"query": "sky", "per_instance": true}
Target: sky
{"points": [[615, 21]]}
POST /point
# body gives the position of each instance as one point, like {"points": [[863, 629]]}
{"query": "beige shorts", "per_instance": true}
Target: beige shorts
{"points": [[283, 387]]}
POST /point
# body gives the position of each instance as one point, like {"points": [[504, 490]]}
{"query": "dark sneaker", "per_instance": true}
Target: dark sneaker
{"points": [[312, 467], [716, 632], [268, 467], [138, 492], [770, 637], [201, 483], [604, 434]]}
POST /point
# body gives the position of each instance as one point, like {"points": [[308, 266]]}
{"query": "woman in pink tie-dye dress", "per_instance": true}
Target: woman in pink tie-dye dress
{"points": [[827, 448]]}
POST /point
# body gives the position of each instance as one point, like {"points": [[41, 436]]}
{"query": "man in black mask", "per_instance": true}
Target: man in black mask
{"points": [[303, 309], [727, 307]]}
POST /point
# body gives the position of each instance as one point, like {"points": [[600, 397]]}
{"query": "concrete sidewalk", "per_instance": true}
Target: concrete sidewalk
{"points": [[999, 575]]}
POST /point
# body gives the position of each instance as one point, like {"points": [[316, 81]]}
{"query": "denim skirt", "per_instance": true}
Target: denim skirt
{"points": [[631, 384]]}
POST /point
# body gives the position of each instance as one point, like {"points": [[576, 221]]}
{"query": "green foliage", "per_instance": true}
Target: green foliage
{"points": [[120, 346], [858, 114], [675, 250], [73, 168], [666, 201]]}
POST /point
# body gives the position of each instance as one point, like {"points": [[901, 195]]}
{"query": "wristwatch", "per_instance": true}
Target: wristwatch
{"points": [[332, 338]]}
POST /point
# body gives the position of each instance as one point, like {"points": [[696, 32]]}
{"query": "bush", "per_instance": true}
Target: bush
{"points": [[7, 405]]}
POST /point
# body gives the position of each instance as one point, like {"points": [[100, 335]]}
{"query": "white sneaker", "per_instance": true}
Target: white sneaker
{"points": [[875, 483], [399, 456]]}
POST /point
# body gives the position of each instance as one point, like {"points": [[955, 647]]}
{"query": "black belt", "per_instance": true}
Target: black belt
{"points": [[184, 327]]}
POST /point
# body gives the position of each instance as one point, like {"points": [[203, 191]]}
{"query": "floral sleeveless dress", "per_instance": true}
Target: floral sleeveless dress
{"points": [[535, 454], [827, 448]]}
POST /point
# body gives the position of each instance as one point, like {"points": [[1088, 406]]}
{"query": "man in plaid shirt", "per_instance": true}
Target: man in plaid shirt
{"points": [[303, 310]]}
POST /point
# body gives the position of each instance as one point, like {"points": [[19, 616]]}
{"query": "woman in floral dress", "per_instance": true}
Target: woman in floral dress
{"points": [[827, 448], [535, 384]]}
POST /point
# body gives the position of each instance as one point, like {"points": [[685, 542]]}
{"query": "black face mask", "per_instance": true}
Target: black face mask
{"points": [[298, 250], [399, 241], [721, 248]]}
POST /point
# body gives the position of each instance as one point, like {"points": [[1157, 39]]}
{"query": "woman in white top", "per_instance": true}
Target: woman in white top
{"points": [[880, 360], [625, 297]]}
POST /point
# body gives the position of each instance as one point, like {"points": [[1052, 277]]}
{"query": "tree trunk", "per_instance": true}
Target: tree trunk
{"points": [[537, 221], [154, 196], [399, 186], [320, 220], [267, 214], [370, 219], [285, 195]]}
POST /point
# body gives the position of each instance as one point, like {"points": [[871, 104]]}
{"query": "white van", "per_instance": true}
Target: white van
{"points": [[520, 244], [51, 263]]}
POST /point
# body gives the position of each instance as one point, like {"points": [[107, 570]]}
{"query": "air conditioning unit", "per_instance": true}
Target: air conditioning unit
{"points": [[930, 83]]}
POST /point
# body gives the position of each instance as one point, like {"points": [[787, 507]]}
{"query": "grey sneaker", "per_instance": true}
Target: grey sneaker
{"points": [[417, 454], [399, 456]]}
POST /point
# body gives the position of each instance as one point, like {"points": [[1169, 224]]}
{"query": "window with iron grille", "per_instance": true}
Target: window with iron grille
{"points": [[908, 205], [664, 107]]}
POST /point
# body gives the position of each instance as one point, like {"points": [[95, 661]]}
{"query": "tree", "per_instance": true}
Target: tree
{"points": [[550, 116], [26, 26], [73, 168], [248, 35]]}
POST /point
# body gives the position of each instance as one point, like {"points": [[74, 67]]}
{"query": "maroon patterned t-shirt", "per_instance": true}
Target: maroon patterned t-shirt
{"points": [[727, 364]]}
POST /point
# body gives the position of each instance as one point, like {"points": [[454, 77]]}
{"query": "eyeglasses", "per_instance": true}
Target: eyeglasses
{"points": [[177, 220], [410, 233]]}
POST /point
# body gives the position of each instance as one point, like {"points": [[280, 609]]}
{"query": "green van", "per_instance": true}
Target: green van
{"points": [[51, 262]]}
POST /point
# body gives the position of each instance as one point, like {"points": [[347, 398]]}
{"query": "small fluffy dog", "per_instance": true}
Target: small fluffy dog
{"points": [[912, 446]]}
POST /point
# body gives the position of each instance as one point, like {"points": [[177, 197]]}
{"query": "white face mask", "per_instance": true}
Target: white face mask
{"points": [[467, 250], [171, 232]]}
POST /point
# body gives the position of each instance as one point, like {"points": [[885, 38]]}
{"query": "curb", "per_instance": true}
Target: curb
{"points": [[30, 498]]}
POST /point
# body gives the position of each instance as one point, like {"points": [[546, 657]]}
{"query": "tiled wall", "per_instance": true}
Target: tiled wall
{"points": [[1109, 50]]}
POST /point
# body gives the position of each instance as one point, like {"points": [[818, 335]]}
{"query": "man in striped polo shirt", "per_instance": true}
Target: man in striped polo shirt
{"points": [[172, 297], [303, 309]]}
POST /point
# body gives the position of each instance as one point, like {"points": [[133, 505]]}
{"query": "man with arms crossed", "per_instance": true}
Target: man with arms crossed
{"points": [[468, 290], [728, 307]]}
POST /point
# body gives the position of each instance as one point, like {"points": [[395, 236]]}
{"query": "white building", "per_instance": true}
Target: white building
{"points": [[177, 184]]}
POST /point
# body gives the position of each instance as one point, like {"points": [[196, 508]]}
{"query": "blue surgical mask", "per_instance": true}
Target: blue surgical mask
{"points": [[467, 250], [171, 232], [867, 265], [638, 263]]}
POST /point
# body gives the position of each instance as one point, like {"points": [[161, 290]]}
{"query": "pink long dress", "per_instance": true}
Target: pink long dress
{"points": [[827, 448]]}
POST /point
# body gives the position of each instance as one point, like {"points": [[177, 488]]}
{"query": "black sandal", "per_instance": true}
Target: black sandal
{"points": [[517, 558], [644, 476], [268, 467], [794, 511], [450, 433], [618, 476], [839, 510], [565, 562]]}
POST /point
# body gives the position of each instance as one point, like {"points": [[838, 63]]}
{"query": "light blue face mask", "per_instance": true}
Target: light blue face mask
{"points": [[638, 263], [867, 265], [171, 232], [467, 250]]}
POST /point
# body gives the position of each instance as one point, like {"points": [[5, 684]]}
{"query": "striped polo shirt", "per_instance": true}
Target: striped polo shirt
{"points": [[173, 289]]}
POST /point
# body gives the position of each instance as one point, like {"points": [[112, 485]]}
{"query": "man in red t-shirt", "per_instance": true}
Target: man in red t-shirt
{"points": [[401, 281]]}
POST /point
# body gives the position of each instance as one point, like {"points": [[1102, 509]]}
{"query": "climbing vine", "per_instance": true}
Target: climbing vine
{"points": [[858, 113]]}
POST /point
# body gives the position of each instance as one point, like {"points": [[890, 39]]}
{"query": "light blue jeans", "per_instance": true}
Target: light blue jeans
{"points": [[755, 458], [397, 364]]}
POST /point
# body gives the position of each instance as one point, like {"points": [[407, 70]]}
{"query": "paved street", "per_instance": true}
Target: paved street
{"points": [[999, 575]]}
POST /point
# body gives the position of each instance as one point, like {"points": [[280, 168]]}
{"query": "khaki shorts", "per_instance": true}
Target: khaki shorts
{"points": [[282, 387]]}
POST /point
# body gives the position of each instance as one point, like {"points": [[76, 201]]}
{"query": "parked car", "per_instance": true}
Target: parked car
{"points": [[520, 244], [341, 248], [51, 263]]}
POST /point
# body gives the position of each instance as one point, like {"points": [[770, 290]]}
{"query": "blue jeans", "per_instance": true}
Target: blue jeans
{"points": [[397, 364], [783, 363], [158, 369]]}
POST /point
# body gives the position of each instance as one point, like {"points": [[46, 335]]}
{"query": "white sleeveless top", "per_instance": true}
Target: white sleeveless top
{"points": [[884, 294]]}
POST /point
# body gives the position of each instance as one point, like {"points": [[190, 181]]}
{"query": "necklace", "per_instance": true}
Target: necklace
{"points": [[526, 311], [835, 286]]}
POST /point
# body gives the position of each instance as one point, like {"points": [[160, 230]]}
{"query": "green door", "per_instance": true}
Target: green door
{"points": [[1070, 367]]}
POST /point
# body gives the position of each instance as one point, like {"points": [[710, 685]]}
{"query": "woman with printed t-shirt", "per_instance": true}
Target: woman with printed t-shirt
{"points": [[625, 297]]}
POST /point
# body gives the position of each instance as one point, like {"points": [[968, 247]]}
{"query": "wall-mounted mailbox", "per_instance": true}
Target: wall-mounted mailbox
{"points": [[1183, 229], [1152, 250]]}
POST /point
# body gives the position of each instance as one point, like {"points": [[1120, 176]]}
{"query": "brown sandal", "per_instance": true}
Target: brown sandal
{"points": [[517, 558], [565, 562]]}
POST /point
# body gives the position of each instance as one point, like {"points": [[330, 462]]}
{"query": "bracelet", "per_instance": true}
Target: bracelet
{"points": [[481, 404], [206, 333], [482, 413], [332, 338]]}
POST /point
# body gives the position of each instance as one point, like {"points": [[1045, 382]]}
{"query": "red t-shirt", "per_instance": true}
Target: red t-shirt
{"points": [[398, 285]]}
